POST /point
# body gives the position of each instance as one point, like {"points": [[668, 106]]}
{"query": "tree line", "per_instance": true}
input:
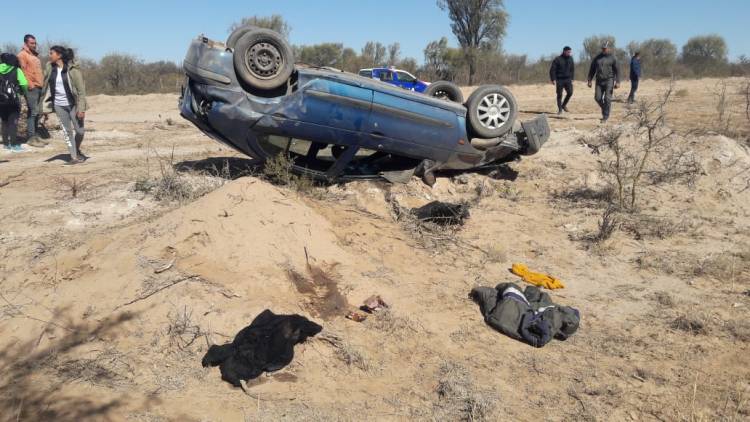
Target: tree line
{"points": [[479, 27]]}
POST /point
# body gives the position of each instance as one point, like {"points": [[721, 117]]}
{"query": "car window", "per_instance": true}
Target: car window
{"points": [[366, 73], [406, 77], [386, 76]]}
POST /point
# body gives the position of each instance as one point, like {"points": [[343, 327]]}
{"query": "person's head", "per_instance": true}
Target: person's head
{"points": [[30, 42], [9, 59], [637, 55], [605, 47], [567, 51], [59, 53]]}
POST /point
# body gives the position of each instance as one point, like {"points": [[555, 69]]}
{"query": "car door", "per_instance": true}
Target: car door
{"points": [[406, 80], [402, 125], [326, 110]]}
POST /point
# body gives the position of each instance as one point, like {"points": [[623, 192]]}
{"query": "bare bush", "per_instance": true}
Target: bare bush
{"points": [[173, 185], [607, 225], [278, 170], [460, 399], [72, 187], [182, 331], [652, 151]]}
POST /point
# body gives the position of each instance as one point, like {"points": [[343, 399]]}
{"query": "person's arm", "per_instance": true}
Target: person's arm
{"points": [[22, 82], [592, 71], [552, 70], [82, 105]]}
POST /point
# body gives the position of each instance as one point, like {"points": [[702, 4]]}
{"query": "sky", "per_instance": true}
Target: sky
{"points": [[161, 30]]}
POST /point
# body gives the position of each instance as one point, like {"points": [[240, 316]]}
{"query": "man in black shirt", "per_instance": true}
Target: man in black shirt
{"points": [[561, 74], [604, 68]]}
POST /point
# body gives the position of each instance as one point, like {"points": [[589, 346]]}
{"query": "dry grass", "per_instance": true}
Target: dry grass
{"points": [[351, 355], [72, 187], [172, 185], [181, 330], [459, 398], [694, 323]]}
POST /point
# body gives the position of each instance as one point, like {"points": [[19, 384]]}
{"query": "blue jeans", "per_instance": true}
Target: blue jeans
{"points": [[32, 104]]}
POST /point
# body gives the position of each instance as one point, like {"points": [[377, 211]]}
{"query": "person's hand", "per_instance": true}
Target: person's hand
{"points": [[552, 82], [81, 115], [589, 84]]}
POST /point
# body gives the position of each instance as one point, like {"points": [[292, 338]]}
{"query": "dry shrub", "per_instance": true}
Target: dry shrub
{"points": [[278, 170], [72, 187], [172, 185], [739, 329], [460, 398], [649, 152], [664, 299], [726, 266], [182, 331], [387, 321], [643, 226], [108, 368], [348, 353], [695, 324]]}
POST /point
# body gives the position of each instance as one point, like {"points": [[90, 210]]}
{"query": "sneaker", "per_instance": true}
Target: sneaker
{"points": [[559, 112], [565, 108], [36, 142], [16, 148], [6, 146], [604, 120]]}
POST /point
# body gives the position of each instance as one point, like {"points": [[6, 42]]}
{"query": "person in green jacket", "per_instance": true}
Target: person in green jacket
{"points": [[64, 92], [12, 84]]}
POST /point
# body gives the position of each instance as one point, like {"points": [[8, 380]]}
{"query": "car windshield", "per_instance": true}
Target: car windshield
{"points": [[406, 76]]}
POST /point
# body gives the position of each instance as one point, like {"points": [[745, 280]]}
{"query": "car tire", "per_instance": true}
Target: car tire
{"points": [[492, 110], [237, 34], [445, 91], [263, 59]]}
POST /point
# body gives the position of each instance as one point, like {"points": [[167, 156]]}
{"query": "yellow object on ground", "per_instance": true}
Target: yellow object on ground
{"points": [[537, 279]]}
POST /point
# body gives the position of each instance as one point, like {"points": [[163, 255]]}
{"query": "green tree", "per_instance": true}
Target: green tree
{"points": [[325, 54], [476, 24], [705, 54], [658, 56], [592, 46], [273, 22]]}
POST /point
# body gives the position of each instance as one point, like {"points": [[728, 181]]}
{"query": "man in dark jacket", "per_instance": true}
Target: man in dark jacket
{"points": [[561, 74], [635, 76], [604, 69]]}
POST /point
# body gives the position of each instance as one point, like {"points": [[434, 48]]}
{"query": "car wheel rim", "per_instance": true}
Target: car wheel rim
{"points": [[493, 111], [443, 95], [264, 60]]}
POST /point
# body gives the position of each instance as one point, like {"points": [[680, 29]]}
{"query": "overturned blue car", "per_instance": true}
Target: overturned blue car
{"points": [[249, 94]]}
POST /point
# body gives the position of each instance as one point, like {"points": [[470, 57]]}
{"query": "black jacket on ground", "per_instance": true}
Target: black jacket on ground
{"points": [[563, 69], [267, 344], [604, 67], [530, 317]]}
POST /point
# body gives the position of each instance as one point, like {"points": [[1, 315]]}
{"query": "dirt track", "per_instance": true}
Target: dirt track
{"points": [[94, 329]]}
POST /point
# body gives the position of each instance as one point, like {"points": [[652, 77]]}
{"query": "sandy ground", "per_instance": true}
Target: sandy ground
{"points": [[110, 296]]}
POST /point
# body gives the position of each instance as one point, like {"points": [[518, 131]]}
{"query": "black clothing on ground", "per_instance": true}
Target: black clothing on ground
{"points": [[604, 68], [530, 317], [9, 121], [266, 345], [568, 87], [603, 96], [562, 68]]}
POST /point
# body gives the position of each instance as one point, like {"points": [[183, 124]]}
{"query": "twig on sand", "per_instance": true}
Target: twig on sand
{"points": [[25, 315], [166, 286]]}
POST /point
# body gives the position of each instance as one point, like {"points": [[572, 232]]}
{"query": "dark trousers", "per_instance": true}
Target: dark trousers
{"points": [[603, 96], [567, 85], [9, 117], [633, 89]]}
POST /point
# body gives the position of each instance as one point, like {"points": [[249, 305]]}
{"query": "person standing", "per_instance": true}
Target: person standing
{"points": [[561, 74], [63, 81], [635, 76], [28, 58], [12, 84], [604, 69]]}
